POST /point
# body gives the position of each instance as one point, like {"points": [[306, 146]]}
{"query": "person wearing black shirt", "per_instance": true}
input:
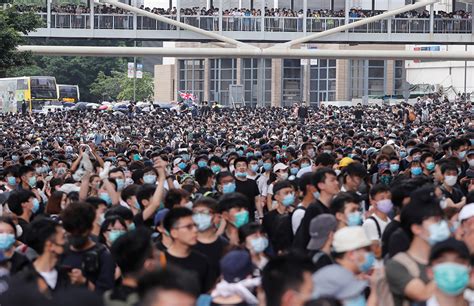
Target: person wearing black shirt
{"points": [[91, 263], [209, 242], [246, 186], [149, 197], [277, 223], [325, 181], [23, 203], [359, 113], [183, 230], [449, 187], [135, 255]]}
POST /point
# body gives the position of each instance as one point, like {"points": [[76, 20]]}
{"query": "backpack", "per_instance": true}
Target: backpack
{"points": [[382, 289], [379, 230]]}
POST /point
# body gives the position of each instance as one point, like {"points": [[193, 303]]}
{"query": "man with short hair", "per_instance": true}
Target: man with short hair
{"points": [[449, 184], [286, 280], [135, 255], [233, 208], [180, 225], [168, 286], [422, 221], [91, 262], [325, 181], [321, 230], [246, 186], [24, 204]]}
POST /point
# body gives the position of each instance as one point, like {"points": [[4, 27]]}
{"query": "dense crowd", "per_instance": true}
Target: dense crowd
{"points": [[366, 205], [237, 12]]}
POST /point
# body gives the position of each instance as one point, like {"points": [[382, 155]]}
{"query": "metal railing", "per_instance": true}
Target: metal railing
{"points": [[254, 23]]}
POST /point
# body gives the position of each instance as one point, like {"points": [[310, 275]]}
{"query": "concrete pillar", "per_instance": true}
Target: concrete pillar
{"points": [[239, 71], [305, 14], [342, 80], [431, 20], [261, 82], [306, 81], [48, 16], [389, 77], [220, 15], [207, 85], [92, 21], [277, 64], [346, 13]]}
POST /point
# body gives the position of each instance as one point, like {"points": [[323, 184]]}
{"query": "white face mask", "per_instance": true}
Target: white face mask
{"points": [[450, 180], [471, 163]]}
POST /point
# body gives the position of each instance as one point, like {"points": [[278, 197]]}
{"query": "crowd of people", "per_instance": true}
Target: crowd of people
{"points": [[237, 12], [366, 205]]}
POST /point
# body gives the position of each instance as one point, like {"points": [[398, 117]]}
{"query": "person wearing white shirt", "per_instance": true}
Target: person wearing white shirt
{"points": [[375, 224], [310, 194]]}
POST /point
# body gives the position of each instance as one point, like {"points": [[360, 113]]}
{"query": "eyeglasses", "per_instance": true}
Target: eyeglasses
{"points": [[189, 227]]}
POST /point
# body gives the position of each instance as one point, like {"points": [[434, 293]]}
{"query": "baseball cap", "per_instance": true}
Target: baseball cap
{"points": [[160, 215], [236, 266], [470, 152], [280, 185], [279, 166], [345, 162], [449, 245], [319, 230], [466, 212], [350, 238], [338, 282]]}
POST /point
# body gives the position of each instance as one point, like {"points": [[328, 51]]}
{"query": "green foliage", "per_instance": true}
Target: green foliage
{"points": [[118, 86], [12, 26]]}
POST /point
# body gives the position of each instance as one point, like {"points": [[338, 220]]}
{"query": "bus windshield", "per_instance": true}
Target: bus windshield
{"points": [[43, 88], [68, 93]]}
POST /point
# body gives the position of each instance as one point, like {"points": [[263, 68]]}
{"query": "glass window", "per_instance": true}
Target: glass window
{"points": [[322, 81], [191, 77], [223, 74], [251, 81]]}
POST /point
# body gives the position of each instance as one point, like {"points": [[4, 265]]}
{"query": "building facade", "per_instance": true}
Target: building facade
{"points": [[279, 82]]}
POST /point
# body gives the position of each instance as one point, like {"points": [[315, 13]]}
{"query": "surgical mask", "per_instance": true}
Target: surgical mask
{"points": [[240, 152], [137, 205], [450, 180], [311, 153], [61, 171], [288, 199], [202, 164], [36, 206], [6, 241], [337, 172], [385, 206], [203, 221], [228, 188], [241, 174], [394, 167], [354, 219], [462, 155], [185, 157], [403, 154], [182, 165], [15, 158], [189, 205], [105, 196], [430, 166], [259, 244], [471, 163], [438, 232], [149, 179], [249, 154], [216, 169], [28, 162], [283, 176], [327, 151], [136, 157], [369, 260], [241, 218], [451, 278], [416, 157], [101, 219], [358, 301], [267, 166], [254, 168], [11, 180], [120, 184], [304, 165], [294, 171], [416, 171], [115, 234], [131, 227], [32, 181]]}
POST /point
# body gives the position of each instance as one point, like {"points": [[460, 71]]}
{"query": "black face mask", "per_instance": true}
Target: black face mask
{"points": [[78, 241]]}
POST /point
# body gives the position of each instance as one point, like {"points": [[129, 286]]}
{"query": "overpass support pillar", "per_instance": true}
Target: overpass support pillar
{"points": [[431, 20], [48, 16]]}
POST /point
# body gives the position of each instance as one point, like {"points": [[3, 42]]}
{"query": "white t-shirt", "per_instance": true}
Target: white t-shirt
{"points": [[371, 228], [296, 218], [434, 302], [51, 278]]}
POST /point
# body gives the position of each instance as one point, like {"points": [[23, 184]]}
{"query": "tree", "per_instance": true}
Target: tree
{"points": [[118, 86], [12, 25]]}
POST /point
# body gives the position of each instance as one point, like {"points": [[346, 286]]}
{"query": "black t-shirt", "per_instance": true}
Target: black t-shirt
{"points": [[398, 242], [248, 188], [18, 262], [279, 231], [387, 233], [456, 195], [103, 278], [214, 252], [358, 113], [24, 226], [139, 222], [196, 263], [302, 237]]}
